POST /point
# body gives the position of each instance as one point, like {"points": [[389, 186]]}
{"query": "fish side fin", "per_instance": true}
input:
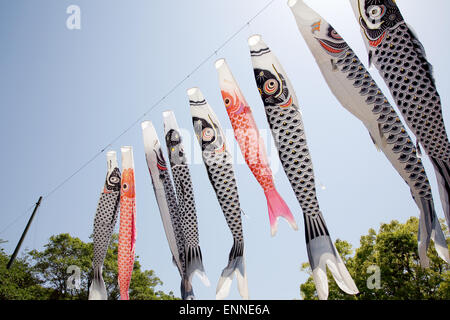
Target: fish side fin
{"points": [[174, 261], [278, 208], [374, 142], [370, 60], [378, 132], [334, 67], [97, 290], [442, 171], [420, 49], [418, 149], [194, 265], [236, 265], [187, 292], [323, 253]]}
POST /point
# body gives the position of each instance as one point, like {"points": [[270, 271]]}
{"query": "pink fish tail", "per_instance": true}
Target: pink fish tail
{"points": [[124, 295], [278, 208]]}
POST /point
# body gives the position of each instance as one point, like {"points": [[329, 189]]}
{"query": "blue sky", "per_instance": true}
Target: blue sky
{"points": [[65, 94]]}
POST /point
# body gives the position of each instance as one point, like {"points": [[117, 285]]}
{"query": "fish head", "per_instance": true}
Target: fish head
{"points": [[160, 163], [273, 88], [128, 183], [113, 180], [209, 136], [234, 104], [329, 39], [376, 17], [175, 147]]}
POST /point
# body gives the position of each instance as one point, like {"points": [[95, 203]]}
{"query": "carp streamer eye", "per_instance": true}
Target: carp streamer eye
{"points": [[270, 86], [125, 187], [207, 134], [376, 12], [227, 102], [335, 35], [113, 179]]}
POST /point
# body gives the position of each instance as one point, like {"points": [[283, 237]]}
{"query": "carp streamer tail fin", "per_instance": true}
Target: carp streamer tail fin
{"points": [[187, 292], [278, 208], [442, 170], [97, 290], [430, 229], [194, 264], [323, 253], [236, 265]]}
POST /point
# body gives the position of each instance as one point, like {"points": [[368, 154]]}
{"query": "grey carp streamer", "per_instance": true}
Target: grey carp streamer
{"points": [[167, 203], [355, 89], [185, 196], [400, 57], [219, 165], [285, 121], [104, 223]]}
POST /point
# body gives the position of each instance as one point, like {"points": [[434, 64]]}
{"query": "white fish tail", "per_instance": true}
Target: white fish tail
{"points": [[187, 292], [323, 253], [442, 170], [236, 265], [97, 290], [194, 265], [430, 229]]}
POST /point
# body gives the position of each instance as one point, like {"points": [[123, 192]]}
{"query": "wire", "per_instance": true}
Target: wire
{"points": [[176, 86], [17, 219], [169, 92]]}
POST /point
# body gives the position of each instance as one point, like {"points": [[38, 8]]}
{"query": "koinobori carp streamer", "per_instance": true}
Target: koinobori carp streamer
{"points": [[127, 228], [167, 203], [219, 165], [285, 120], [353, 86], [104, 223], [251, 144], [400, 57], [185, 196]]}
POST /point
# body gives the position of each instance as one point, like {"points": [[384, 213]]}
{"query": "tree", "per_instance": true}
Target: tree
{"points": [[19, 283], [63, 251], [394, 251], [44, 274]]}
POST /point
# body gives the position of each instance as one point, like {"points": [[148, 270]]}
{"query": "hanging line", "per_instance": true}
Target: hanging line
{"points": [[176, 86], [17, 219], [169, 92]]}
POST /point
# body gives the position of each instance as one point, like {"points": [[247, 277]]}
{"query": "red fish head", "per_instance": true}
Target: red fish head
{"points": [[232, 103], [128, 183]]}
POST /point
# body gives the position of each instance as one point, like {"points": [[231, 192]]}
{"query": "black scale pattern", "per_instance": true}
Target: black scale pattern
{"points": [[104, 223], [186, 202], [287, 128], [389, 122], [405, 70], [175, 217], [221, 175]]}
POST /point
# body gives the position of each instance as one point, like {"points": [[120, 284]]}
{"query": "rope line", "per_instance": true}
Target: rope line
{"points": [[17, 219], [169, 92]]}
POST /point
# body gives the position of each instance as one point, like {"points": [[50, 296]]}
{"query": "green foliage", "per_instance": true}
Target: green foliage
{"points": [[18, 283], [43, 274], [394, 251]]}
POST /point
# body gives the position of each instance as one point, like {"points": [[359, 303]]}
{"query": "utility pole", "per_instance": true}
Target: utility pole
{"points": [[16, 251]]}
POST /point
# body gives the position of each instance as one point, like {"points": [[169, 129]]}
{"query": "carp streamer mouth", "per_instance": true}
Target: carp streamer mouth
{"points": [[221, 149], [287, 104], [331, 47], [376, 43]]}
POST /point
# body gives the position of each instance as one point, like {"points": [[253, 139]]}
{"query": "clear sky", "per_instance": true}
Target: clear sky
{"points": [[65, 94]]}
